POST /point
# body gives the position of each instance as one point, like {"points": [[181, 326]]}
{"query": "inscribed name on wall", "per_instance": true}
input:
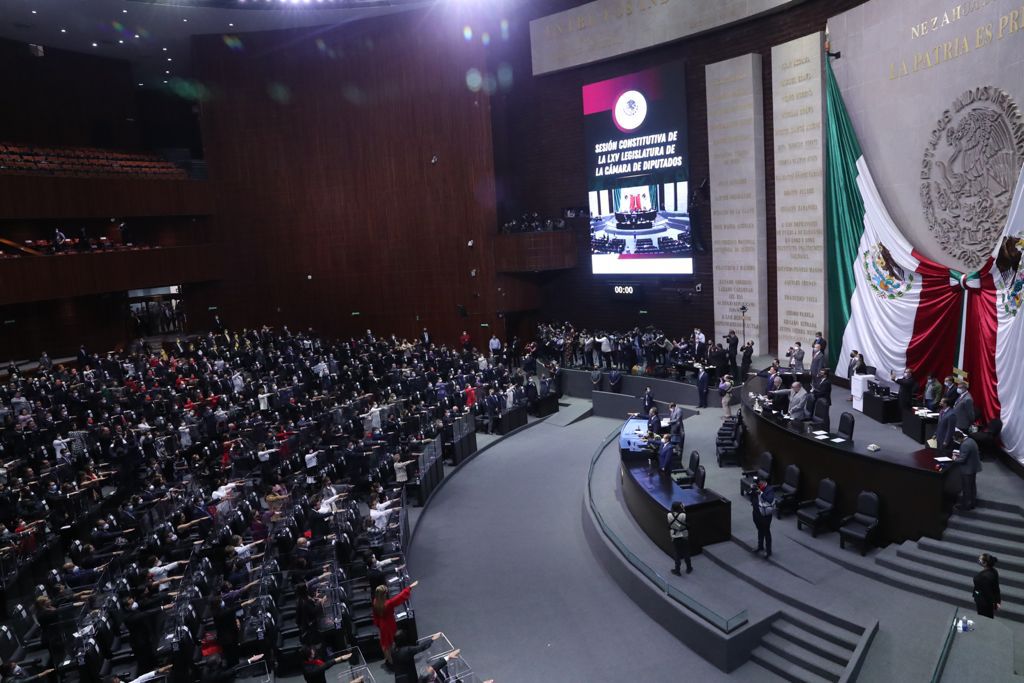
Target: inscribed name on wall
{"points": [[736, 160], [798, 113]]}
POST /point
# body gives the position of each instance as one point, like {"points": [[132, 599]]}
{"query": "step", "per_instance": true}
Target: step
{"points": [[790, 671], [999, 505], [986, 528], [958, 565], [811, 641], [807, 659], [968, 553], [945, 577], [988, 544], [837, 634], [1014, 519]]}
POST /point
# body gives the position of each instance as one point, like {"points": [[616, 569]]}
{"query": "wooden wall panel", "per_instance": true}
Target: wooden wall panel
{"points": [[31, 197], [320, 145], [541, 164], [532, 252], [41, 278]]}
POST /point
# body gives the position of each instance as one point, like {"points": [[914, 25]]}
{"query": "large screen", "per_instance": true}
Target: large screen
{"points": [[635, 130]]}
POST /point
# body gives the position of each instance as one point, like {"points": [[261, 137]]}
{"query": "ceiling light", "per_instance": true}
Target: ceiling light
{"points": [[170, 59], [165, 49], [120, 42], [167, 72], [185, 20], [231, 25], [95, 45], [34, 12], [140, 85], [63, 30], [165, 81], [124, 11]]}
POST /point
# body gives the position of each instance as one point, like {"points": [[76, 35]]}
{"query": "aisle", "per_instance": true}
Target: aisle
{"points": [[505, 571]]}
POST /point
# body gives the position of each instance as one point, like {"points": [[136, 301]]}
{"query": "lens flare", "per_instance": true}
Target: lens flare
{"points": [[485, 38], [504, 29], [467, 33], [279, 92], [504, 76], [233, 43], [474, 80]]}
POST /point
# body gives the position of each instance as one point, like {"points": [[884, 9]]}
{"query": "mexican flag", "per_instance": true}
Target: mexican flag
{"points": [[902, 310]]}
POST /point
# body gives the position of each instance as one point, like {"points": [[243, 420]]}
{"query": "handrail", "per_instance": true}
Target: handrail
{"points": [[947, 645], [724, 624]]}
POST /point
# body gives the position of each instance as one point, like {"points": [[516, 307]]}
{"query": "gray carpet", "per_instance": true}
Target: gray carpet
{"points": [[506, 573]]}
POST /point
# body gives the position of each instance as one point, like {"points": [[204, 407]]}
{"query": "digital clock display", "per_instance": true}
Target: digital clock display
{"points": [[624, 289]]}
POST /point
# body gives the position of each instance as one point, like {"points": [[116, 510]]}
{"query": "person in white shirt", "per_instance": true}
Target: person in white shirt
{"points": [[327, 504], [401, 466], [160, 571], [381, 512], [698, 336], [494, 345]]}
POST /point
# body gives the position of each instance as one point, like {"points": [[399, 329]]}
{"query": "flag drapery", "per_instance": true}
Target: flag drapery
{"points": [[903, 310]]}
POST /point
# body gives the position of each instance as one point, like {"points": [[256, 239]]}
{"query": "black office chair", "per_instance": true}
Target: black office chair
{"points": [[729, 441], [818, 513], [762, 473], [698, 481], [684, 477], [820, 419], [786, 494], [846, 426], [862, 525]]}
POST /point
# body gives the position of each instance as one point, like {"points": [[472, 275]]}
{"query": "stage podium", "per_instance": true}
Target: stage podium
{"points": [[858, 385]]}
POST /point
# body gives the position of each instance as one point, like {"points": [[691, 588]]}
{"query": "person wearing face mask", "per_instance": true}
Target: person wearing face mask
{"points": [[963, 407], [141, 626]]}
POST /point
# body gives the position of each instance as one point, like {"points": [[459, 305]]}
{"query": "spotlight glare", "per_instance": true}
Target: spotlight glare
{"points": [[467, 33]]}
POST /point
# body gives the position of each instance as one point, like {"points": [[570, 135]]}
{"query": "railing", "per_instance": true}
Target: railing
{"points": [[724, 624], [947, 646]]}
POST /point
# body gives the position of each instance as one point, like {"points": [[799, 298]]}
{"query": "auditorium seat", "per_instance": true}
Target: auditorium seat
{"points": [[685, 477], [820, 419], [846, 426], [698, 481], [729, 441], [819, 512], [860, 527], [762, 473], [786, 494]]}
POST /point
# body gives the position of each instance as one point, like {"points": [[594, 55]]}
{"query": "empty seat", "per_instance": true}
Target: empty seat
{"points": [[786, 494], [820, 419], [846, 426], [861, 527], [685, 477], [762, 473], [819, 512]]}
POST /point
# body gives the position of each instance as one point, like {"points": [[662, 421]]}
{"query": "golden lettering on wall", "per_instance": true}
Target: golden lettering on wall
{"points": [[585, 20], [1009, 24]]}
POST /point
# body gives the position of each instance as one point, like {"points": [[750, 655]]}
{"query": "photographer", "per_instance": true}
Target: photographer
{"points": [[795, 354]]}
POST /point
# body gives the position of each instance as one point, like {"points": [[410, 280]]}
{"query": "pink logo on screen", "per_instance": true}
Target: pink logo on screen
{"points": [[630, 110]]}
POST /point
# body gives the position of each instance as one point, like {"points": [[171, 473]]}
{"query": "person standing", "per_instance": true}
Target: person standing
{"points": [[970, 464], [648, 400], [732, 345], [908, 387], [494, 345], [746, 358], [383, 610], [795, 354], [313, 667], [762, 500], [702, 388], [680, 535], [964, 407], [986, 587], [725, 390], [944, 428], [675, 419], [817, 360], [932, 393]]}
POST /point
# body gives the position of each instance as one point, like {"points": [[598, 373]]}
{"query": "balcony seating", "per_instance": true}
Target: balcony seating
{"points": [[84, 162]]}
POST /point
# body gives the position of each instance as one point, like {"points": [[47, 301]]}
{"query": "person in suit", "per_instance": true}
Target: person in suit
{"points": [[425, 338], [313, 667], [817, 360], [595, 379], [746, 358], [648, 400], [702, 388], [949, 389], [820, 341], [653, 420], [665, 454], [795, 354], [799, 403], [964, 407], [615, 381], [732, 344], [986, 587], [675, 419], [403, 657], [851, 368], [762, 502], [821, 386], [945, 426], [908, 387], [970, 464]]}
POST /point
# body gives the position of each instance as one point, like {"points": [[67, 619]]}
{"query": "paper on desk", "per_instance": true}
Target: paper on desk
{"points": [[943, 459], [822, 436], [819, 432], [838, 440]]}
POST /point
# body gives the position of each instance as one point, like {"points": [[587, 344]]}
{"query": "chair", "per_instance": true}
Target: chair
{"points": [[819, 417], [762, 473], [786, 494], [698, 481], [818, 513], [729, 441], [846, 426], [685, 477], [861, 526]]}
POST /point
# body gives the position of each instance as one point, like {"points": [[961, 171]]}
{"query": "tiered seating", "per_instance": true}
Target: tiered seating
{"points": [[674, 246], [84, 162]]}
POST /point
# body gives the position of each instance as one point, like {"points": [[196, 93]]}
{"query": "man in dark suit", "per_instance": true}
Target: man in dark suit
{"points": [[908, 387], [615, 381], [945, 426], [949, 389], [746, 358], [817, 361], [732, 343], [964, 407], [702, 389], [820, 342], [648, 400], [970, 464], [821, 386]]}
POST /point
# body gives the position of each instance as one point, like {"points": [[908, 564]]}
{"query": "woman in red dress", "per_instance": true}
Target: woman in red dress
{"points": [[384, 615]]}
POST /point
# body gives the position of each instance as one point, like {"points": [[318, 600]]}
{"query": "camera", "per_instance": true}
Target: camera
{"points": [[744, 309]]}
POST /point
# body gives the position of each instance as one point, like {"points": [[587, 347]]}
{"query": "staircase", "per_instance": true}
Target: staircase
{"points": [[944, 569], [802, 648]]}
